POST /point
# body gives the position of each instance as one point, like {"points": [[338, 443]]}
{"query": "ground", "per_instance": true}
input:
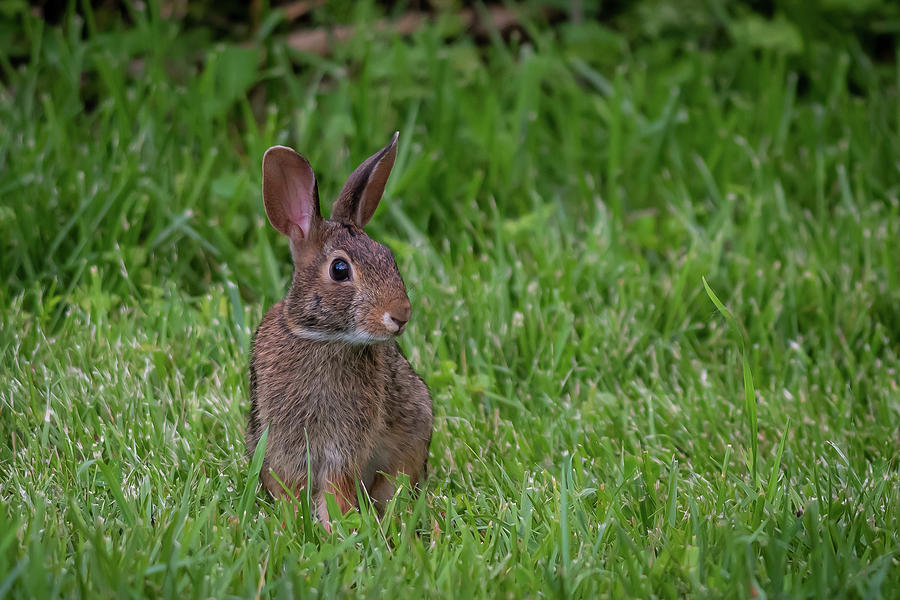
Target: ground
{"points": [[559, 197]]}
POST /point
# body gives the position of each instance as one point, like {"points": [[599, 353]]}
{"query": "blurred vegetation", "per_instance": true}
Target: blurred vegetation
{"points": [[232, 55]]}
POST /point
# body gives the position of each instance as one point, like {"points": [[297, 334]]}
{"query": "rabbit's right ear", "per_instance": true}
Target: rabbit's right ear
{"points": [[290, 192]]}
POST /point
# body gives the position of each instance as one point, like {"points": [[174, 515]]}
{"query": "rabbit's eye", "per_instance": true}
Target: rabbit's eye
{"points": [[340, 270]]}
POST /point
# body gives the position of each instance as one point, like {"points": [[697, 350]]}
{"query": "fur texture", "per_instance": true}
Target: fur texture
{"points": [[327, 377]]}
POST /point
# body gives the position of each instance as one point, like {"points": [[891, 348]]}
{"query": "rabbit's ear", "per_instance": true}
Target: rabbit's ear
{"points": [[360, 195], [290, 193]]}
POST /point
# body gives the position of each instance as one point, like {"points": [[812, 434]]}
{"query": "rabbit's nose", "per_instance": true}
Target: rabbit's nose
{"points": [[400, 314]]}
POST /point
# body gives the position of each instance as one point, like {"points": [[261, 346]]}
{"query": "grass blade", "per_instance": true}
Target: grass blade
{"points": [[251, 484], [749, 388]]}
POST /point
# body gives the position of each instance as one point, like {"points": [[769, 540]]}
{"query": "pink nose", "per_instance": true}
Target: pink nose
{"points": [[400, 313]]}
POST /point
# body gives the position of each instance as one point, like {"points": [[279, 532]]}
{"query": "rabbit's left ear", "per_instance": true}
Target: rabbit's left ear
{"points": [[290, 192], [360, 195]]}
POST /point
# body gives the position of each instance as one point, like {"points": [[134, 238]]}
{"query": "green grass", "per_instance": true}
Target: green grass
{"points": [[554, 208]]}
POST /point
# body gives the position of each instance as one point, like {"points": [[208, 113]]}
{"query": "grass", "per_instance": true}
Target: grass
{"points": [[555, 207]]}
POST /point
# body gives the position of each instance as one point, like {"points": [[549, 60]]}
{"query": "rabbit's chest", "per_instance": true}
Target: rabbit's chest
{"points": [[335, 402], [325, 422], [342, 408]]}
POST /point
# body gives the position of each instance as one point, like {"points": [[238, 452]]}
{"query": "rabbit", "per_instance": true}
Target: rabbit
{"points": [[341, 402]]}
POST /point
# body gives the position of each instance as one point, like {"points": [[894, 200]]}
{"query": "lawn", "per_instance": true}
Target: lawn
{"points": [[560, 195]]}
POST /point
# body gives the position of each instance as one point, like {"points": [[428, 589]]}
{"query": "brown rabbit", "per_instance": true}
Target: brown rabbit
{"points": [[327, 377]]}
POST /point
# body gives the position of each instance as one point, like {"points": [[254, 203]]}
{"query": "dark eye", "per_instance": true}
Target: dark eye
{"points": [[340, 270]]}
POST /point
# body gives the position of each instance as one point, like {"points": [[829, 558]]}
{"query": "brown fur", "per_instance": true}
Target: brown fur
{"points": [[327, 378]]}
